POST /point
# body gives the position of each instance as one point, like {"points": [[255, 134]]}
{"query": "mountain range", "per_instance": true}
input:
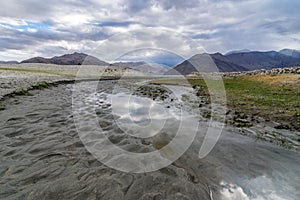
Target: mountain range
{"points": [[243, 60], [68, 59], [9, 62]]}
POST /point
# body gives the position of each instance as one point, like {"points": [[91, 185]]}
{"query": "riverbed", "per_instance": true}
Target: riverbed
{"points": [[42, 155]]}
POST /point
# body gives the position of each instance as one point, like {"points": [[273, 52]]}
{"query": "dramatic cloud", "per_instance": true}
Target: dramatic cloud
{"points": [[35, 28]]}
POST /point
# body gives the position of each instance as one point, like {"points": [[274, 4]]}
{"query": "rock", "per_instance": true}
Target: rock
{"points": [[282, 126]]}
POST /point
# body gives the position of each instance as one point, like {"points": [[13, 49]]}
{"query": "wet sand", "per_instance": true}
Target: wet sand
{"points": [[42, 157]]}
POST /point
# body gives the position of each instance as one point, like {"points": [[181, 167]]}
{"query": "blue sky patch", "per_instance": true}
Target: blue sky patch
{"points": [[40, 26]]}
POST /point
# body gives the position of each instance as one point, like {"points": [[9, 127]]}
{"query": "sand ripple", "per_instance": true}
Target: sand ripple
{"points": [[42, 157]]}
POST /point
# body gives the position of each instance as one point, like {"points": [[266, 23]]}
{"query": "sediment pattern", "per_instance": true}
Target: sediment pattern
{"points": [[42, 157]]}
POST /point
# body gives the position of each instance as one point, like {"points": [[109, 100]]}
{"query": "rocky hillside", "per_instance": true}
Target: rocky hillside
{"points": [[275, 71]]}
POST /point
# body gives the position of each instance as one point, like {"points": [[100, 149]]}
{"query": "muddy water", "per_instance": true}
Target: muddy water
{"points": [[42, 157]]}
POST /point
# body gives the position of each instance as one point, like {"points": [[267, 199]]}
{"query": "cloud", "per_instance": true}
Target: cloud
{"points": [[34, 27], [144, 42], [178, 4], [152, 55], [14, 43], [135, 6]]}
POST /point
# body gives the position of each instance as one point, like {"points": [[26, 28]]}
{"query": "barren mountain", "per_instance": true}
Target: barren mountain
{"points": [[263, 60], [207, 63], [240, 61], [68, 59]]}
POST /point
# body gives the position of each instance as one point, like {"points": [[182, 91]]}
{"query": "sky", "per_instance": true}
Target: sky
{"points": [[49, 28]]}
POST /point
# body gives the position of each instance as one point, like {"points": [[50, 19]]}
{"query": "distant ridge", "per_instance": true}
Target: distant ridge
{"points": [[263, 60], [243, 61], [68, 59], [290, 52], [128, 64], [9, 62], [150, 68]]}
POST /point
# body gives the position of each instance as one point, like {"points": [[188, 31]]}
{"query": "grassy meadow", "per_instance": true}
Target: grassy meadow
{"points": [[273, 97]]}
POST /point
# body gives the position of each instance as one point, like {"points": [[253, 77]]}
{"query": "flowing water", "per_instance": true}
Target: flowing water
{"points": [[43, 157]]}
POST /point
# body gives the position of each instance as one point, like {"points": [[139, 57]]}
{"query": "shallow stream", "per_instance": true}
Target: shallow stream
{"points": [[42, 156]]}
